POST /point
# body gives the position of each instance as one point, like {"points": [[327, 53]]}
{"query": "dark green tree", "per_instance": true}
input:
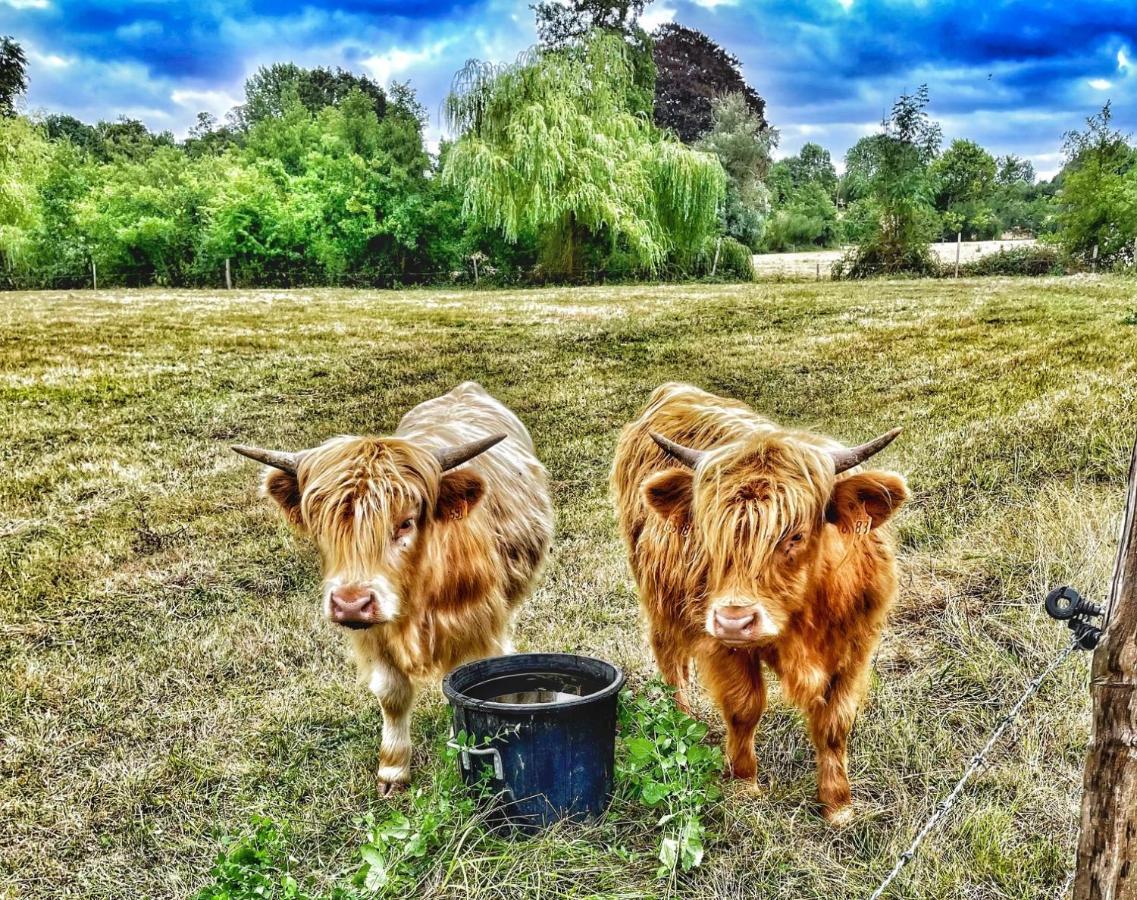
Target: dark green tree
{"points": [[128, 139], [267, 92], [209, 137], [811, 166], [964, 179], [901, 192], [1012, 170], [13, 74], [68, 128], [1097, 203], [560, 25]]}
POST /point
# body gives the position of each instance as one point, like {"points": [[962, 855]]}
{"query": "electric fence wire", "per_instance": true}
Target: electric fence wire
{"points": [[977, 761]]}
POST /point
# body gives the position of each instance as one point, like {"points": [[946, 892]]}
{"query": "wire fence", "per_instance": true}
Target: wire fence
{"points": [[93, 276], [977, 762]]}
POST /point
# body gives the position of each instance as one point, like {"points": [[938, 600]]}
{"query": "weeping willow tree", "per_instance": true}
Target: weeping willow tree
{"points": [[549, 146]]}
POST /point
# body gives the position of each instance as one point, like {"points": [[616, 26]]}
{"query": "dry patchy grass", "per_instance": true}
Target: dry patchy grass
{"points": [[165, 675]]}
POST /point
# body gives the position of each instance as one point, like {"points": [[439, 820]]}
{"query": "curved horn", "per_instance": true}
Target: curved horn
{"points": [[846, 458], [449, 457], [685, 455], [278, 459]]}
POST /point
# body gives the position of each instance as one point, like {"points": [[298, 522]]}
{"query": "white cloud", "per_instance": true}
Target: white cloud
{"points": [[846, 4], [48, 60], [216, 102], [397, 60], [1100, 84], [711, 4], [26, 4], [656, 16], [1123, 62], [1046, 165], [143, 28]]}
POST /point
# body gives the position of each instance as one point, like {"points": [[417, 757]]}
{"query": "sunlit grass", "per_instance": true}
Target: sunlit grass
{"points": [[167, 677]]}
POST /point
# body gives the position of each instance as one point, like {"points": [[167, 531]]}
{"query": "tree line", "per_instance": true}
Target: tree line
{"points": [[603, 153]]}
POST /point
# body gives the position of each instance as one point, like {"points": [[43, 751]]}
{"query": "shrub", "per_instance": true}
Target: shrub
{"points": [[882, 257], [254, 865], [735, 261], [1037, 260], [665, 765]]}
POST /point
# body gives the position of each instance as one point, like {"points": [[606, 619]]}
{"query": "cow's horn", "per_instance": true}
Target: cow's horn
{"points": [[847, 457], [685, 455], [278, 459], [449, 457]]}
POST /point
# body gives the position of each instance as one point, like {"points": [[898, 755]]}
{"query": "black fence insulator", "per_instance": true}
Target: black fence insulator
{"points": [[1066, 605]]}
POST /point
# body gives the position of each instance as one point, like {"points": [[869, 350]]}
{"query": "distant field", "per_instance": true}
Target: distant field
{"points": [[810, 263], [166, 674]]}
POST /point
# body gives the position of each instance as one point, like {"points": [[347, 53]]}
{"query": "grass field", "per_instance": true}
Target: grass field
{"points": [[166, 675]]}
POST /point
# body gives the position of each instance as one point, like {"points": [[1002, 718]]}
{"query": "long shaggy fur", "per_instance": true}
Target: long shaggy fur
{"points": [[482, 534], [763, 517]]}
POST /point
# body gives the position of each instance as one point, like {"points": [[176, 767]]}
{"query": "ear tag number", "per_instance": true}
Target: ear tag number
{"points": [[460, 512], [861, 526]]}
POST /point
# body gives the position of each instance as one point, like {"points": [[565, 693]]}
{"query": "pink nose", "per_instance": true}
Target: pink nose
{"points": [[354, 606], [732, 623]]}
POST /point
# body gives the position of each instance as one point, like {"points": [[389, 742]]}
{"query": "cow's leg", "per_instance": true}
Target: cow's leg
{"points": [[396, 696], [673, 658], [831, 717], [734, 680]]}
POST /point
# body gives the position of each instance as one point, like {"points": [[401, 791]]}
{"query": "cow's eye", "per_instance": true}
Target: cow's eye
{"points": [[404, 527]]}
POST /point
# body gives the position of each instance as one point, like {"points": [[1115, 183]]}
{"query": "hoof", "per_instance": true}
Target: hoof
{"points": [[839, 817], [391, 788]]}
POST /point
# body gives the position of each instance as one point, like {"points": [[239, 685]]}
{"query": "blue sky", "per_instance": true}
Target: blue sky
{"points": [[1011, 75]]}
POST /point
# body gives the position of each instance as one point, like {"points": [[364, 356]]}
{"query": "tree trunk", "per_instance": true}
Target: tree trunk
{"points": [[1107, 846]]}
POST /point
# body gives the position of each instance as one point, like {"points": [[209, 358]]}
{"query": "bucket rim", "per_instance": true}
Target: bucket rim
{"points": [[459, 698]]}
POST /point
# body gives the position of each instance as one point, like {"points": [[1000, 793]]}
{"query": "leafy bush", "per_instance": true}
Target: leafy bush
{"points": [[860, 220], [1037, 260], [401, 848], [808, 221], [665, 765], [879, 257], [254, 866], [735, 261]]}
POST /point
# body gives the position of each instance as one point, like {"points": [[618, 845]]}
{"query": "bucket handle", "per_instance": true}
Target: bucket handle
{"points": [[466, 752]]}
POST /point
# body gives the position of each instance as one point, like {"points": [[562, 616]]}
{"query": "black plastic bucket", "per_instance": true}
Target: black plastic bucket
{"points": [[544, 726]]}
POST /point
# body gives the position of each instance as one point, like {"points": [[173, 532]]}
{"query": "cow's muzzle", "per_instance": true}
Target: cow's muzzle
{"points": [[354, 607], [739, 625]]}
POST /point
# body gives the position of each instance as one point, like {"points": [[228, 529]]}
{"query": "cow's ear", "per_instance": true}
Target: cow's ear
{"points": [[284, 488], [866, 500], [459, 493], [669, 493]]}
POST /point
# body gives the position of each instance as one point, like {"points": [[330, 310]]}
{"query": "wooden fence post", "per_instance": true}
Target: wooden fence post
{"points": [[1094, 263], [958, 247], [715, 264], [94, 277], [1107, 845], [228, 276]]}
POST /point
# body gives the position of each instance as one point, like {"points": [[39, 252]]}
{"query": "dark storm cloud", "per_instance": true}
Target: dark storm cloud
{"points": [[1011, 75]]}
